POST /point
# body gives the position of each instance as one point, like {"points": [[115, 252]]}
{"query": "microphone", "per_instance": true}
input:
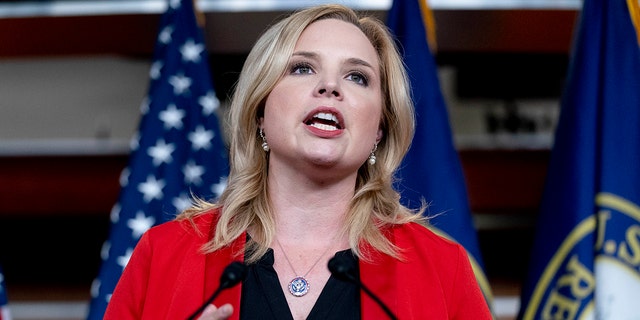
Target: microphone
{"points": [[232, 274], [345, 269]]}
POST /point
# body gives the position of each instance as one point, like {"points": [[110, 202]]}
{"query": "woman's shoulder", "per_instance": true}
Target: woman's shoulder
{"points": [[422, 237], [198, 226]]}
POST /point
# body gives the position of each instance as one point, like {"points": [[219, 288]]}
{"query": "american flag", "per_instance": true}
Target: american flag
{"points": [[177, 153], [4, 309]]}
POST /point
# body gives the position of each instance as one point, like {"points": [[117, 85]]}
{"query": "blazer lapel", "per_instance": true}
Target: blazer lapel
{"points": [[380, 276], [215, 265]]}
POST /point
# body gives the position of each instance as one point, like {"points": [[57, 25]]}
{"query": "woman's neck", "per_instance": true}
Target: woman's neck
{"points": [[317, 209]]}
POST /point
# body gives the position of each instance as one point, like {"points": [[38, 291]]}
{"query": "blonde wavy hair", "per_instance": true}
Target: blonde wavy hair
{"points": [[375, 205]]}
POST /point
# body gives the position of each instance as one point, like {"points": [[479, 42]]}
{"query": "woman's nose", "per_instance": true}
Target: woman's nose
{"points": [[328, 88]]}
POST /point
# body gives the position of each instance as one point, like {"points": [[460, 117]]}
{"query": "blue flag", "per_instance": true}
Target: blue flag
{"points": [[585, 261], [432, 169], [178, 151], [4, 309]]}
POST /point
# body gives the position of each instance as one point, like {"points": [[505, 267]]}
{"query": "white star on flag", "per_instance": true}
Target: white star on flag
{"points": [[193, 173], [161, 152], [140, 224], [144, 105], [151, 189], [165, 35], [124, 259], [180, 84], [154, 71], [95, 287], [182, 202], [218, 188], [115, 213], [174, 4], [209, 103], [124, 177], [172, 117], [201, 138], [104, 251], [134, 143], [191, 51]]}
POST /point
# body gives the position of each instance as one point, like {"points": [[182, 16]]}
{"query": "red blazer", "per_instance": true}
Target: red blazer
{"points": [[168, 277]]}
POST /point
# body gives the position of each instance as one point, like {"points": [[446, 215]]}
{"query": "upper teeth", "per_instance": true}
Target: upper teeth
{"points": [[327, 116]]}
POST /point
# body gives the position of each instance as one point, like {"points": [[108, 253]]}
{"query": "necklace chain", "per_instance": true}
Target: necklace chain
{"points": [[299, 286]]}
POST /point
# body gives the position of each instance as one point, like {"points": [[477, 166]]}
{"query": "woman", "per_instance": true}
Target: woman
{"points": [[320, 120]]}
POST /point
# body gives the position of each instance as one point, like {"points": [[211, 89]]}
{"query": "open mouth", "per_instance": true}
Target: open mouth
{"points": [[324, 121]]}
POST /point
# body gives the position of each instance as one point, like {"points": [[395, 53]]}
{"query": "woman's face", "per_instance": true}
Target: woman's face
{"points": [[325, 112]]}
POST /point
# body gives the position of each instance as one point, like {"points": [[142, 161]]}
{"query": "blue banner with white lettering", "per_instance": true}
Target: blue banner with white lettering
{"points": [[178, 152], [432, 170], [585, 261]]}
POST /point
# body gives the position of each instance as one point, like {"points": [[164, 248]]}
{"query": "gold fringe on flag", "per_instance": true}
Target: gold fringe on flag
{"points": [[634, 12], [429, 24], [199, 14]]}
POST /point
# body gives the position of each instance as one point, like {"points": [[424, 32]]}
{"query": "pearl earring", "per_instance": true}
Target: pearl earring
{"points": [[265, 145], [372, 156]]}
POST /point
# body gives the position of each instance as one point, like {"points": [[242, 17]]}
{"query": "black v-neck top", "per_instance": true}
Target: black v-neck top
{"points": [[263, 297]]}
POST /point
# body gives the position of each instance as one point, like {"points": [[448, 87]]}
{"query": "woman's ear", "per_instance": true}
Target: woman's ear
{"points": [[380, 135]]}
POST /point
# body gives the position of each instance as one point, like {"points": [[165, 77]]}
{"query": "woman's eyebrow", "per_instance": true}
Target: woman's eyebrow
{"points": [[306, 54], [313, 55], [359, 62]]}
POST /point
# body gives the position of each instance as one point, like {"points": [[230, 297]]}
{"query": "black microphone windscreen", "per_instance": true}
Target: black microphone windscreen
{"points": [[233, 274], [342, 268]]}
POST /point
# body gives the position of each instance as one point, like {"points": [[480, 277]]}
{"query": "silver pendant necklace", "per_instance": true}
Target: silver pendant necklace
{"points": [[299, 285]]}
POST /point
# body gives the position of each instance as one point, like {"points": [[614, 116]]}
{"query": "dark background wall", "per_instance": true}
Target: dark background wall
{"points": [[54, 205]]}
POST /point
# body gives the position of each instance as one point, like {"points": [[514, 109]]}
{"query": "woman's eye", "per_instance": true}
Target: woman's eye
{"points": [[358, 78], [301, 69]]}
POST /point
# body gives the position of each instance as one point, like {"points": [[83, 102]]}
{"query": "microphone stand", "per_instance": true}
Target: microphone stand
{"points": [[377, 300], [344, 269], [206, 303], [233, 274]]}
